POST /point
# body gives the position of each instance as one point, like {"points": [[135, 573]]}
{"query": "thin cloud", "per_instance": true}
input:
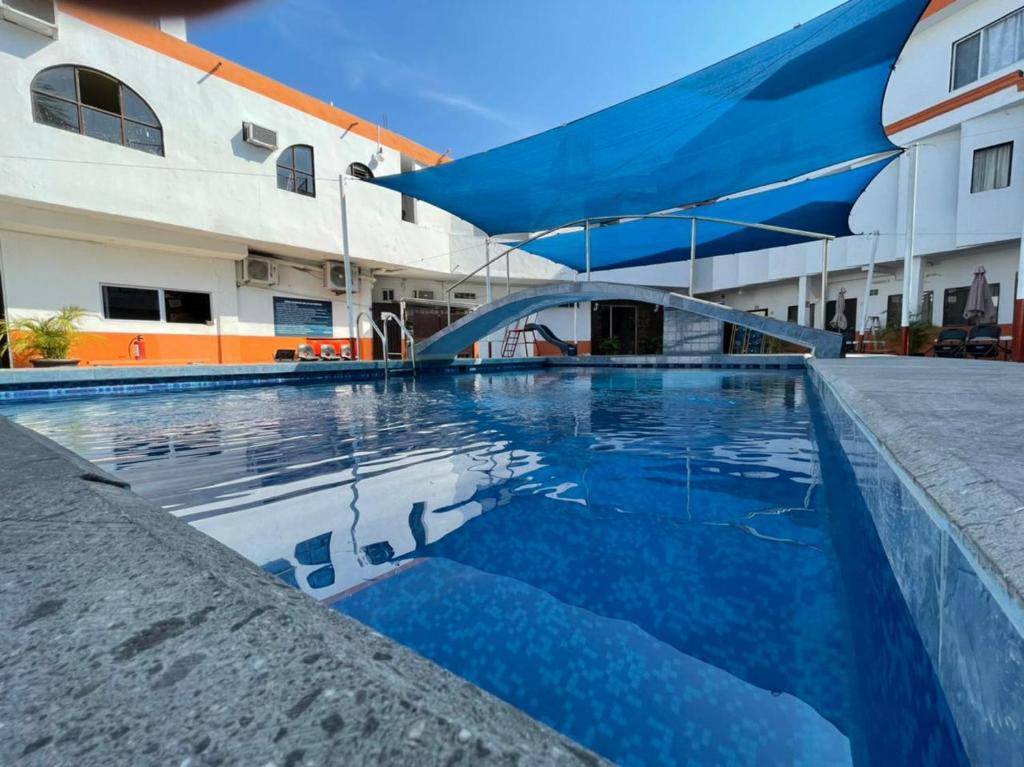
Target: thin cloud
{"points": [[362, 66]]}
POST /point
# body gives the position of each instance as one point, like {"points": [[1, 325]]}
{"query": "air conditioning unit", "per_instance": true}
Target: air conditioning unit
{"points": [[334, 277], [259, 136], [38, 15], [258, 271]]}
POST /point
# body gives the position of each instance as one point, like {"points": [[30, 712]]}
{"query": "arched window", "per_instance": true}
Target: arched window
{"points": [[360, 171], [295, 170], [94, 104]]}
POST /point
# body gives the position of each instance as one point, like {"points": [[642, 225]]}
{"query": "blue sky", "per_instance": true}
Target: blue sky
{"points": [[468, 75]]}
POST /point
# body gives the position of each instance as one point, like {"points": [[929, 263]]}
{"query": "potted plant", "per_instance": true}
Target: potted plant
{"points": [[610, 345], [51, 339], [920, 336]]}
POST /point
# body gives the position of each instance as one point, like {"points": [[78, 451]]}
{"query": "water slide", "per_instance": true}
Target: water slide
{"points": [[567, 349]]}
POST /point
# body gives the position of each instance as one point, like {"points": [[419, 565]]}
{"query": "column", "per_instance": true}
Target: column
{"points": [[1018, 308], [801, 301]]}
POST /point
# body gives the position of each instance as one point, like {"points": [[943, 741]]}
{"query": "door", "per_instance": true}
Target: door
{"points": [[392, 331]]}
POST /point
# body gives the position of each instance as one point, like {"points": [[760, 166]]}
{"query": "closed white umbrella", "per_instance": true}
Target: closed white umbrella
{"points": [[839, 318], [980, 309]]}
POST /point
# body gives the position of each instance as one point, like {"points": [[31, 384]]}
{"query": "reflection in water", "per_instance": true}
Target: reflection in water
{"points": [[646, 560]]}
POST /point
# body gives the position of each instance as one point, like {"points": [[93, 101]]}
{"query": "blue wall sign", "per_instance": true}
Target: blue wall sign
{"points": [[303, 317]]}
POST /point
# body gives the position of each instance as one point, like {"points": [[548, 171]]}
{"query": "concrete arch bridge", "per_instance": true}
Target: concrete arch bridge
{"points": [[448, 342]]}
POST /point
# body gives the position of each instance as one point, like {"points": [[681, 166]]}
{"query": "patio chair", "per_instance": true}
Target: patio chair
{"points": [[328, 352], [983, 342], [306, 353], [950, 343], [284, 355]]}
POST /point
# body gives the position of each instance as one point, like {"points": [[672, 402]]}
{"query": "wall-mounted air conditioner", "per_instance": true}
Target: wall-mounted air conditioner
{"points": [[38, 15], [257, 271], [334, 277], [259, 136]]}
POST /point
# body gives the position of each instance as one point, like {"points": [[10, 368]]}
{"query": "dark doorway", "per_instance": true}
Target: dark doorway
{"points": [[626, 327], [423, 320], [393, 333]]}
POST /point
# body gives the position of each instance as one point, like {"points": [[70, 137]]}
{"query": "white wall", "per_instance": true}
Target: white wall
{"points": [[43, 273], [209, 179]]}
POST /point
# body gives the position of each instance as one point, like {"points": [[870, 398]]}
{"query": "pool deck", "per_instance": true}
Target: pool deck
{"points": [[956, 430], [132, 638]]}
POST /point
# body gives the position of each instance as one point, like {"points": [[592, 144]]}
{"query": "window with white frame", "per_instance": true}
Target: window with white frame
{"points": [[465, 296], [988, 50], [387, 294], [992, 168], [426, 295], [123, 302]]}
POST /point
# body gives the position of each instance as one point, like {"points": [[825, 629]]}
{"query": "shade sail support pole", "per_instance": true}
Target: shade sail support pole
{"points": [[820, 319], [693, 254], [586, 239], [908, 259], [353, 326], [488, 288]]}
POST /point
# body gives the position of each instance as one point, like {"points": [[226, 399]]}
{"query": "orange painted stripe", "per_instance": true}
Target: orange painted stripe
{"points": [[100, 348], [217, 66], [935, 6], [1014, 79]]}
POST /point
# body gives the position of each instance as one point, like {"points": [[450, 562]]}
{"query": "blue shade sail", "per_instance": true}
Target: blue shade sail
{"points": [[805, 100], [820, 205]]}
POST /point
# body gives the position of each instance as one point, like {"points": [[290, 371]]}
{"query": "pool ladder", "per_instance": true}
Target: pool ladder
{"points": [[383, 336]]}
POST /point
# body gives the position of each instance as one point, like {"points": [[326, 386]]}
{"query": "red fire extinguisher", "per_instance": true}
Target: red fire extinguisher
{"points": [[137, 348]]}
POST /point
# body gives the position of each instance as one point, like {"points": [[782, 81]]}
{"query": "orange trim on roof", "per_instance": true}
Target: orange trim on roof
{"points": [[935, 6], [217, 66], [1014, 79]]}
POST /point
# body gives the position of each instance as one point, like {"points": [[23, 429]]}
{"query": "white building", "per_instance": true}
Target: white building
{"points": [[128, 187], [164, 216], [957, 94]]}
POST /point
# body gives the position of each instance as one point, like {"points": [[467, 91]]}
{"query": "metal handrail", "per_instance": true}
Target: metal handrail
{"points": [[383, 339], [384, 317]]}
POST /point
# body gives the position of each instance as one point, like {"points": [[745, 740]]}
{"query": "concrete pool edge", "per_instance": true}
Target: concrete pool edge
{"points": [[136, 637], [898, 442], [966, 613]]}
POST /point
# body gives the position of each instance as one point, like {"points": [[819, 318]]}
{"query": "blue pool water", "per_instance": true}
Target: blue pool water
{"points": [[671, 567]]}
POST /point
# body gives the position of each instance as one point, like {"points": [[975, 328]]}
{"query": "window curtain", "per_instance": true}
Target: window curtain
{"points": [[992, 168], [1002, 44]]}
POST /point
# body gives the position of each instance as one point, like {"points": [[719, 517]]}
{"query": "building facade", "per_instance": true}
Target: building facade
{"points": [[130, 185], [956, 103]]}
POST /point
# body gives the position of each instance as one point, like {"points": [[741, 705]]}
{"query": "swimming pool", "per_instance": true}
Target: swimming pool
{"points": [[667, 566]]}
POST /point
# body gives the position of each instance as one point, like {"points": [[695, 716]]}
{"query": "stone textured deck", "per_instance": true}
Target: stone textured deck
{"points": [[956, 428], [131, 638]]}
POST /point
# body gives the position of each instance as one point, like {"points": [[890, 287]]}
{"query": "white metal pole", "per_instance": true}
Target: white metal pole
{"points": [[508, 273], [867, 286], [693, 255], [819, 318], [586, 239], [801, 300], [353, 330], [487, 273], [908, 258]]}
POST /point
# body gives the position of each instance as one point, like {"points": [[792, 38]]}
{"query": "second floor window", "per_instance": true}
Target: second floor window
{"points": [[85, 101], [295, 170], [992, 166], [988, 50]]}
